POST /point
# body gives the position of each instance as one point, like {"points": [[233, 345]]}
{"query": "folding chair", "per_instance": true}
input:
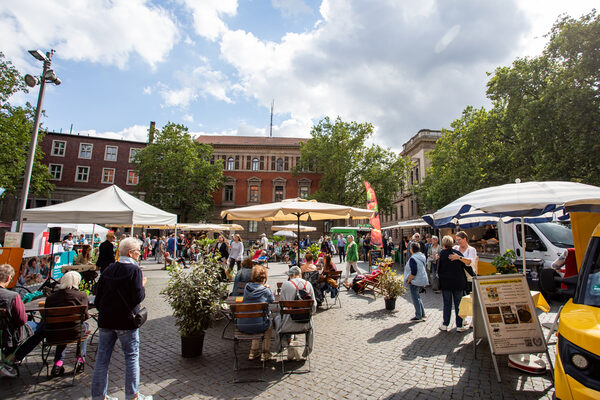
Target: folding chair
{"points": [[59, 323], [371, 282], [337, 277], [227, 311], [295, 307], [241, 311]]}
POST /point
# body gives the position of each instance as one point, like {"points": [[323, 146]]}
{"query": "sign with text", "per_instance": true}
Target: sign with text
{"points": [[12, 239], [508, 314]]}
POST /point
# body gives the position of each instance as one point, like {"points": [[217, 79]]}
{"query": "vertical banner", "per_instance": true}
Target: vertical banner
{"points": [[375, 223], [44, 244]]}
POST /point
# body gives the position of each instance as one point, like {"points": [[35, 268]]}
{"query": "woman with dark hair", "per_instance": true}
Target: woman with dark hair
{"points": [[257, 291], [453, 281]]}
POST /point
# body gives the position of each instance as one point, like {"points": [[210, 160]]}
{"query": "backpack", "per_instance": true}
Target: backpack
{"points": [[301, 294]]}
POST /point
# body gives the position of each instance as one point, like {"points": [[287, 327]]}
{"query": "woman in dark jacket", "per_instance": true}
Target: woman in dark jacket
{"points": [[68, 295], [453, 282], [106, 252]]}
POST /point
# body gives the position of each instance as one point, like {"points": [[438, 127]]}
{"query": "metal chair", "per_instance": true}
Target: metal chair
{"points": [[337, 277], [60, 325], [295, 307], [242, 311]]}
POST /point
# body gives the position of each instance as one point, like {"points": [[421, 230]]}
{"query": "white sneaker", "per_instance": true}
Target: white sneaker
{"points": [[143, 397], [443, 328], [462, 328], [8, 371]]}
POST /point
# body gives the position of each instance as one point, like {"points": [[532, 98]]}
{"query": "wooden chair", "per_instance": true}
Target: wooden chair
{"points": [[241, 311], [240, 288], [59, 329], [337, 277], [296, 307], [371, 282]]}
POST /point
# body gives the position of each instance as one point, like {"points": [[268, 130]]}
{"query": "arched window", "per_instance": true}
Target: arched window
{"points": [[255, 164], [230, 163], [280, 164]]}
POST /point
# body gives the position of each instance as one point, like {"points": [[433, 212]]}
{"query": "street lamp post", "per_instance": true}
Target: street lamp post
{"points": [[48, 75]]}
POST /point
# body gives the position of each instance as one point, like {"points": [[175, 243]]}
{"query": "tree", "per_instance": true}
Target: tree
{"points": [[337, 150], [543, 124], [176, 173], [16, 125]]}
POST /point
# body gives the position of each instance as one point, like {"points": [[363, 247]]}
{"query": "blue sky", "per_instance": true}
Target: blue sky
{"points": [[216, 65]]}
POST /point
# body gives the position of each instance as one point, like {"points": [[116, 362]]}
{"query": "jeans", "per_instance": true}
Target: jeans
{"points": [[342, 254], [449, 296], [416, 299], [59, 355], [130, 343], [31, 342]]}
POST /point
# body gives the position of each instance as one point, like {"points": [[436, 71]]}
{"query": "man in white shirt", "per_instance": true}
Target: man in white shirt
{"points": [[264, 242]]}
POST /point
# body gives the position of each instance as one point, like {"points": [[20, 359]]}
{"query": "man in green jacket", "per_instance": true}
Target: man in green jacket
{"points": [[351, 258]]}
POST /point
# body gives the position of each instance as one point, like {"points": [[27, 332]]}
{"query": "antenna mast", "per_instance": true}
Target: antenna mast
{"points": [[271, 126]]}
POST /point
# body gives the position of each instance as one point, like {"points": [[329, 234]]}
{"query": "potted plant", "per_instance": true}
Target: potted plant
{"points": [[391, 285], [504, 263], [196, 297]]}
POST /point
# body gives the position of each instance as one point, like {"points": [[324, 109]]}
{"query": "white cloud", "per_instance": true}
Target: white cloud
{"points": [[447, 38], [148, 90], [188, 118], [291, 8], [137, 133], [107, 32], [208, 14], [178, 98], [288, 128]]}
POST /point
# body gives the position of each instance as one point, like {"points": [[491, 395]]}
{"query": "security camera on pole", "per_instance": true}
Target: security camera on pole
{"points": [[48, 75]]}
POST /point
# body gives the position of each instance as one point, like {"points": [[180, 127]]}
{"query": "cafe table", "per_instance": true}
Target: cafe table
{"points": [[79, 268], [465, 308]]}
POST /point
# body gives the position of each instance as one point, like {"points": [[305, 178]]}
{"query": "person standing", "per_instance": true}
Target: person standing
{"points": [[120, 292], [153, 243], [341, 246], [469, 254], [96, 243], [453, 281], [236, 252], [366, 247], [264, 242], [106, 255], [415, 276], [68, 242], [171, 245], [433, 254], [351, 258]]}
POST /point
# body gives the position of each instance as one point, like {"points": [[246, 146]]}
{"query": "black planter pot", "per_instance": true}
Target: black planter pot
{"points": [[191, 346], [390, 304]]}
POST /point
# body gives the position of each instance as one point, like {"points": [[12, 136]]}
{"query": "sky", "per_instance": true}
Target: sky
{"points": [[217, 66]]}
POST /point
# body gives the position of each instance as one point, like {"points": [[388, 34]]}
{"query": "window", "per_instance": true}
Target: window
{"points": [[303, 192], [41, 203], [254, 194], [417, 175], [278, 193], [228, 193], [402, 212], [110, 154], [280, 164], [230, 163], [262, 163], [248, 162], [286, 165], [237, 162], [132, 177], [58, 148], [134, 151], [272, 163], [252, 226], [108, 175], [85, 150], [255, 164], [56, 171], [83, 174]]}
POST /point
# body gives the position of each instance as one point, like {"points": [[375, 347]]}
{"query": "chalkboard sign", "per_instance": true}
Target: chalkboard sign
{"points": [[374, 255]]}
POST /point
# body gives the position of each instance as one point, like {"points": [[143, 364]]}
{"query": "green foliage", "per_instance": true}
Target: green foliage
{"points": [[196, 295], [16, 125], [504, 262], [276, 238], [338, 151], [176, 174], [314, 249], [543, 124]]}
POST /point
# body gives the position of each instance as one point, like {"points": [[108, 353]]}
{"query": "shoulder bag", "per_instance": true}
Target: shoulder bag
{"points": [[138, 319]]}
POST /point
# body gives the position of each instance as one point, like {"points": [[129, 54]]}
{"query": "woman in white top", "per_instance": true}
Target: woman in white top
{"points": [[469, 254], [236, 252]]}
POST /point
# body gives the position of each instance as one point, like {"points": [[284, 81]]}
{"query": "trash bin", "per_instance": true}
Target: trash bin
{"points": [[534, 267]]}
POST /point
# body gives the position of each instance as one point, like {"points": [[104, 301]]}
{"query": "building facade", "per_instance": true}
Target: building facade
{"points": [[258, 170]]}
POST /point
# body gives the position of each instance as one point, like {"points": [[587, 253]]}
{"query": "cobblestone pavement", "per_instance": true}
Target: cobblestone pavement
{"points": [[360, 351]]}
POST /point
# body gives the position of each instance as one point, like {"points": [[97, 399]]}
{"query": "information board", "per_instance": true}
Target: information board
{"points": [[12, 239], [508, 313]]}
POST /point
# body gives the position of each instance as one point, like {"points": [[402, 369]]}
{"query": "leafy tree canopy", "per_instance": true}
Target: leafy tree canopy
{"points": [[544, 122], [16, 125], [176, 173], [338, 151]]}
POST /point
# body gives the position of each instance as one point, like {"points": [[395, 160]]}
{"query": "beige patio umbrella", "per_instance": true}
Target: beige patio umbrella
{"points": [[289, 227], [295, 210]]}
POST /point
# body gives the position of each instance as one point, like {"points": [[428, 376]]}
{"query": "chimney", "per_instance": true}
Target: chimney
{"points": [[151, 132]]}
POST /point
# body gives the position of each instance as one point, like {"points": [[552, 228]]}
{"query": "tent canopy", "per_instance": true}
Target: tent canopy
{"points": [[108, 206], [286, 234], [412, 223], [534, 201]]}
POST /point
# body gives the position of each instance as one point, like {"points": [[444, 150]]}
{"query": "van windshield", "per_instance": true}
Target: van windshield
{"points": [[558, 234], [591, 295]]}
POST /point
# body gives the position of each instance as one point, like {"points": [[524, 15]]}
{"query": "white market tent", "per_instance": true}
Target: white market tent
{"points": [[110, 206], [407, 224]]}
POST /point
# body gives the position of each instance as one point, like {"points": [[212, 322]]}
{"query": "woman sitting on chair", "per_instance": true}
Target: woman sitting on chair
{"points": [[68, 295], [328, 284], [308, 266], [257, 292]]}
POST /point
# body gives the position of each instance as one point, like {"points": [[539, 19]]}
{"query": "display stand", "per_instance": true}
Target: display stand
{"points": [[505, 316], [373, 256]]}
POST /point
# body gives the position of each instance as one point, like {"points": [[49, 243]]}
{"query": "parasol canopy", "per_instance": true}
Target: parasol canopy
{"points": [[289, 227], [286, 234]]}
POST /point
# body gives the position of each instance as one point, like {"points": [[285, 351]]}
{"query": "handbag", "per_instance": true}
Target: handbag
{"points": [[138, 319]]}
